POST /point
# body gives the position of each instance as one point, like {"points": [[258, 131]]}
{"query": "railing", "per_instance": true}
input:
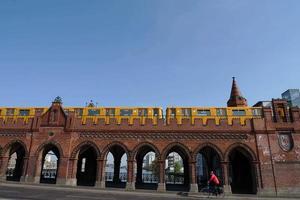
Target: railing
{"points": [[10, 172], [174, 178], [109, 176], [49, 173], [149, 178]]}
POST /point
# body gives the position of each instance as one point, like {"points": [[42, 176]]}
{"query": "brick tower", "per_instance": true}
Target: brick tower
{"points": [[236, 99]]}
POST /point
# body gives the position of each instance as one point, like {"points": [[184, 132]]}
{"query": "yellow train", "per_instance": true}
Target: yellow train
{"points": [[143, 113], [214, 113]]}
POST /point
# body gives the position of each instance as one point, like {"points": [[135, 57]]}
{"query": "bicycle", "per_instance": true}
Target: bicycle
{"points": [[210, 190]]}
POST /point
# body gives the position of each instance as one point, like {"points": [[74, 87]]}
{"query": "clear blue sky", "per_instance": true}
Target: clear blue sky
{"points": [[147, 52]]}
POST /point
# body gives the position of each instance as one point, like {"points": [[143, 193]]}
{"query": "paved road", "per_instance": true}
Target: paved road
{"points": [[10, 191], [29, 192]]}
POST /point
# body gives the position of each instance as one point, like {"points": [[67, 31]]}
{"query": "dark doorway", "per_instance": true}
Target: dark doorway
{"points": [[86, 166], [15, 163], [208, 160], [177, 170], [50, 163], [242, 174], [147, 169], [116, 167]]}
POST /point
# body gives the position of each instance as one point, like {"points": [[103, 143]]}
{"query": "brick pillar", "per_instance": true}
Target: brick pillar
{"points": [[100, 179], [161, 185], [38, 170], [3, 167], [71, 180], [257, 176], [30, 171], [25, 168], [62, 171], [193, 174], [130, 185], [226, 186]]}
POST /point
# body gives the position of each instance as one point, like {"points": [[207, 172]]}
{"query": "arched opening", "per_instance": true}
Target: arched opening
{"points": [[86, 166], [241, 172], [147, 168], [15, 163], [50, 163], [208, 160], [177, 170], [116, 167]]}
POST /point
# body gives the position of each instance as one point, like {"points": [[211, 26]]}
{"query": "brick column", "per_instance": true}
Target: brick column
{"points": [[130, 185], [25, 168], [161, 185], [256, 171], [62, 171], [38, 170], [100, 179], [226, 186], [30, 171], [71, 180], [3, 167], [193, 174]]}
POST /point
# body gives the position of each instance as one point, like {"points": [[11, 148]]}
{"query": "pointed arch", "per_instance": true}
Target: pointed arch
{"points": [[107, 148], [7, 147], [244, 147], [138, 147], [172, 145], [207, 144], [49, 143], [76, 150]]}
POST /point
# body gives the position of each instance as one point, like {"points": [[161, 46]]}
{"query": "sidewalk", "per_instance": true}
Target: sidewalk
{"points": [[138, 192]]}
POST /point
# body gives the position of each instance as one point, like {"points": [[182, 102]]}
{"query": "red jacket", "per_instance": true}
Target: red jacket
{"points": [[214, 179]]}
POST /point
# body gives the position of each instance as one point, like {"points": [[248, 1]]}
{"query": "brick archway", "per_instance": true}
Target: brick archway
{"points": [[243, 146], [76, 150], [208, 144], [8, 146]]}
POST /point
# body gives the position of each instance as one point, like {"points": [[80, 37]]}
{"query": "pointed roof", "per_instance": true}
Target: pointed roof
{"points": [[236, 99]]}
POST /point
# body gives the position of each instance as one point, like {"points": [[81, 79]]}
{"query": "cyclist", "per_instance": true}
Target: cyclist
{"points": [[213, 183]]}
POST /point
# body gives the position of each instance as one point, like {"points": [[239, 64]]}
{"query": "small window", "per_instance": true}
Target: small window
{"points": [[155, 112], [143, 112], [93, 112], [24, 113], [125, 112], [83, 161], [173, 111], [186, 112], [110, 112], [203, 112], [10, 111], [239, 112], [256, 112], [221, 112], [79, 112]]}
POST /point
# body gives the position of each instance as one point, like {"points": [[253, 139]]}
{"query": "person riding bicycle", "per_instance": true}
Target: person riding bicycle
{"points": [[213, 182]]}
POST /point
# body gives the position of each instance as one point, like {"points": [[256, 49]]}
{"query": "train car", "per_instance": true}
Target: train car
{"points": [[214, 113]]}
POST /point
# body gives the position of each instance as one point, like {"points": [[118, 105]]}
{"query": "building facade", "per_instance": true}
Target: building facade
{"points": [[253, 149]]}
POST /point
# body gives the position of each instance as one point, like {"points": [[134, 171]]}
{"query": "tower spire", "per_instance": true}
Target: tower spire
{"points": [[236, 99]]}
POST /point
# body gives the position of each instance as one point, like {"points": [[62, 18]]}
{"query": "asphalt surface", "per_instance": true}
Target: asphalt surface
{"points": [[28, 192], [12, 191]]}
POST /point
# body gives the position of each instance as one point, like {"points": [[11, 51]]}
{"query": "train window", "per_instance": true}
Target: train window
{"points": [[93, 112], [143, 111], [256, 112], [155, 112], [24, 112], [10, 111], [203, 112], [186, 112], [79, 112], [221, 112], [173, 111], [239, 112], [110, 112], [125, 112]]}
